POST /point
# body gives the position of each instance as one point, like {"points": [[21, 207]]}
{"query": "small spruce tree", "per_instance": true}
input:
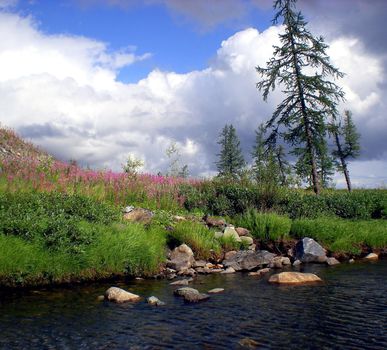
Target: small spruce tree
{"points": [[231, 161]]}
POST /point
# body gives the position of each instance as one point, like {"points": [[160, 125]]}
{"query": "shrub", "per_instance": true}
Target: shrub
{"points": [[266, 226]]}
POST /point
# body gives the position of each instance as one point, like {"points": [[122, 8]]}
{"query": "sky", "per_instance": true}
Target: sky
{"points": [[98, 80]]}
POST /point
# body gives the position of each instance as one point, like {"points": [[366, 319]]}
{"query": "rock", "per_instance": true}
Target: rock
{"points": [[351, 261], [286, 261], [183, 282], [247, 240], [249, 343], [119, 295], [179, 218], [218, 234], [100, 297], [216, 291], [308, 250], [228, 270], [187, 272], [229, 232], [294, 278], [297, 263], [181, 258], [248, 260], [242, 231], [171, 276], [371, 256], [216, 270], [332, 261], [199, 263], [230, 254], [143, 216], [214, 222], [276, 263], [128, 209], [260, 272], [155, 301], [203, 270], [210, 265], [191, 295]]}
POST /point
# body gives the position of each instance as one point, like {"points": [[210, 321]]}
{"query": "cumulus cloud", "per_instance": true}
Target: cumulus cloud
{"points": [[62, 92]]}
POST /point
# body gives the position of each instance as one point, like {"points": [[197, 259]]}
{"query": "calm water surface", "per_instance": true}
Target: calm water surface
{"points": [[348, 311]]}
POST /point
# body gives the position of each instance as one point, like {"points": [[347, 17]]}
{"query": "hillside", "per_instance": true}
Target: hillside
{"points": [[13, 146]]}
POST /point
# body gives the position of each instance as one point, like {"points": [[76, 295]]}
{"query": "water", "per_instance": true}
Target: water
{"points": [[347, 311]]}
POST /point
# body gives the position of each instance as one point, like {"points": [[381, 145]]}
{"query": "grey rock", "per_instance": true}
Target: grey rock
{"points": [[230, 232], [119, 295], [228, 270], [155, 301], [187, 272], [308, 250], [216, 291], [297, 263], [276, 263], [183, 282], [260, 272], [181, 258], [191, 295], [249, 260], [230, 254], [199, 263], [286, 261], [332, 261]]}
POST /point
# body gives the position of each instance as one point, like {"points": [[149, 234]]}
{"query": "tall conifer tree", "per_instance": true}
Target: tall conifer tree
{"points": [[310, 99]]}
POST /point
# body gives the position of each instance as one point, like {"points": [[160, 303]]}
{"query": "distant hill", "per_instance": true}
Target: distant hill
{"points": [[13, 146]]}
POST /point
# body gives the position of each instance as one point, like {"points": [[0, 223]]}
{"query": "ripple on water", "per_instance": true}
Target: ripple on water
{"points": [[347, 311]]}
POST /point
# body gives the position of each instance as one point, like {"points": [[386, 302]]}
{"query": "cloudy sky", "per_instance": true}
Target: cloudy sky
{"points": [[97, 80]]}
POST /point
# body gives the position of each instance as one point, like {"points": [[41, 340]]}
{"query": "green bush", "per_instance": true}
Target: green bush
{"points": [[265, 226], [196, 236]]}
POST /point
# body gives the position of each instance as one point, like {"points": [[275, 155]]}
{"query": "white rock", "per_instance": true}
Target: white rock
{"points": [[119, 295]]}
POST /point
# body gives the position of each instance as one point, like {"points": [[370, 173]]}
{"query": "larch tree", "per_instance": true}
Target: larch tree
{"points": [[231, 161], [347, 144], [301, 67]]}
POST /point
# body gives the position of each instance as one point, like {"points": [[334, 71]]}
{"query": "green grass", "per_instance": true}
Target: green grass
{"points": [[267, 226], [341, 235], [198, 237], [118, 249]]}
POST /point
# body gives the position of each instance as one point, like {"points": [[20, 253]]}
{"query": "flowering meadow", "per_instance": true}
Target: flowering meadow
{"points": [[44, 174]]}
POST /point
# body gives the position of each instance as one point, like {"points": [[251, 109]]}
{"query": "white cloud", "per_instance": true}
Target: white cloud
{"points": [[63, 92]]}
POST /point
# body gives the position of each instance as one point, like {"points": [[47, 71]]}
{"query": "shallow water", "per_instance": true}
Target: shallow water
{"points": [[347, 311]]}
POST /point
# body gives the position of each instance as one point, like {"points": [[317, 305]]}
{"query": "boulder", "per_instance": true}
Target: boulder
{"points": [[216, 291], [247, 240], [229, 232], [199, 263], [371, 256], [308, 250], [294, 278], [212, 221], [230, 254], [140, 215], [191, 295], [119, 295], [276, 263], [187, 272], [228, 270], [181, 258], [183, 282], [242, 231], [155, 301], [297, 263], [248, 260], [260, 272], [203, 270], [332, 261]]}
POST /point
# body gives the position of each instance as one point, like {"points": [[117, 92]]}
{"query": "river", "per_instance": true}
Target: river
{"points": [[347, 311]]}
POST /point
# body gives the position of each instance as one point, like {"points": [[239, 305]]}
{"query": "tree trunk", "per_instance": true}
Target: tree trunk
{"points": [[308, 133], [343, 162]]}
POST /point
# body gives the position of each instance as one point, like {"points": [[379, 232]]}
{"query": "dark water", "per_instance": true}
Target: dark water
{"points": [[348, 311]]}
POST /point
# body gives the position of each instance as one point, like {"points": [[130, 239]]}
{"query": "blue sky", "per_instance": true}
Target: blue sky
{"points": [[99, 80], [176, 42]]}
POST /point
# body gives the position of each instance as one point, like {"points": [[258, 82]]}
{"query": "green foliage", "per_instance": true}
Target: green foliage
{"points": [[196, 236], [230, 243], [231, 161], [310, 99], [117, 250], [267, 226], [342, 235]]}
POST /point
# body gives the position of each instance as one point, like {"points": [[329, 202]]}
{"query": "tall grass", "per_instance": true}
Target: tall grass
{"points": [[267, 226], [196, 236], [118, 249], [343, 235]]}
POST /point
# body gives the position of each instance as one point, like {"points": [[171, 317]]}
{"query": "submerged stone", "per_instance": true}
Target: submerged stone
{"points": [[294, 278]]}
